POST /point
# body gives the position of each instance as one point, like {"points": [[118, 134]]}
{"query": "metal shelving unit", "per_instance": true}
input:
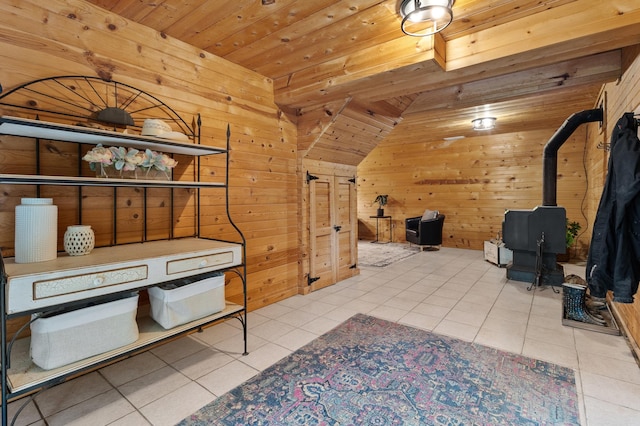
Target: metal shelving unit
{"points": [[62, 101]]}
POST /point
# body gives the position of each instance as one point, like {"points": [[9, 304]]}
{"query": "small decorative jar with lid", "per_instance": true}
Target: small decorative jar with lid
{"points": [[79, 240]]}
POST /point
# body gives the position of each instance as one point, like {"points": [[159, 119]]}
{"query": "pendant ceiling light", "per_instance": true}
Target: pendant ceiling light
{"points": [[422, 18]]}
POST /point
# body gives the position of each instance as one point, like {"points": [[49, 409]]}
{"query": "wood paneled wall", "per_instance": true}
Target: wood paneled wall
{"points": [[58, 37], [472, 181], [621, 96]]}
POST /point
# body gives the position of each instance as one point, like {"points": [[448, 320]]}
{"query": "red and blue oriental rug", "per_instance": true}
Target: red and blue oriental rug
{"points": [[369, 371]]}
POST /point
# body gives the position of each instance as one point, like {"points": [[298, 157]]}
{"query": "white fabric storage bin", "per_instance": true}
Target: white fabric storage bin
{"points": [[74, 335], [182, 301]]}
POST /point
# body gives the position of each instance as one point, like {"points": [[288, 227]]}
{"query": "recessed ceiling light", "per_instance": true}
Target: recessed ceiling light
{"points": [[484, 123]]}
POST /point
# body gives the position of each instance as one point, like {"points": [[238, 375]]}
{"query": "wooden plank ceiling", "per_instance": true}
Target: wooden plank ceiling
{"points": [[349, 76]]}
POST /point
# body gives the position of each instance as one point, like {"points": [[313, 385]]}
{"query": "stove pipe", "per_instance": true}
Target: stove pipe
{"points": [[550, 153]]}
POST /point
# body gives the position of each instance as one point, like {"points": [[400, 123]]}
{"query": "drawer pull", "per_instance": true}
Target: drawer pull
{"points": [[203, 263], [98, 281]]}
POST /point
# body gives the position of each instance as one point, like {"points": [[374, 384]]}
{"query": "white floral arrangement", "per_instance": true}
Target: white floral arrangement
{"points": [[128, 160]]}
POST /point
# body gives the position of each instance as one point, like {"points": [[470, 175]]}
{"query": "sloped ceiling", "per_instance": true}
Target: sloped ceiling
{"points": [[349, 76]]}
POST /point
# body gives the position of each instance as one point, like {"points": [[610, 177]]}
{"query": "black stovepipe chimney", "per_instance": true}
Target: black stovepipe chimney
{"points": [[550, 153]]}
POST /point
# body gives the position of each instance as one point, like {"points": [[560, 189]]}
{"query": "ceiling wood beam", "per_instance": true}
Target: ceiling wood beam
{"points": [[601, 25], [489, 53], [363, 68], [601, 68], [471, 16]]}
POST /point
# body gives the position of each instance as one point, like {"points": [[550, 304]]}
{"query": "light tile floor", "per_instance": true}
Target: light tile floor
{"points": [[451, 291]]}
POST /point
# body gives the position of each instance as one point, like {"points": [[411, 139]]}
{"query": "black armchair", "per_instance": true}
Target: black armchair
{"points": [[424, 233]]}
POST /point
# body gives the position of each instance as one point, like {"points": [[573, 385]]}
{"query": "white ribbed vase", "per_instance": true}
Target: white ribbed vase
{"points": [[36, 230], [79, 240]]}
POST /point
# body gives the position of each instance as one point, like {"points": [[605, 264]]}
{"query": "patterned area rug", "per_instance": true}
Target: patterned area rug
{"points": [[369, 371], [370, 254]]}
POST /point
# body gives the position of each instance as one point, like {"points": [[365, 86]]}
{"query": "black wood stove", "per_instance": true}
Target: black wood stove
{"points": [[537, 236]]}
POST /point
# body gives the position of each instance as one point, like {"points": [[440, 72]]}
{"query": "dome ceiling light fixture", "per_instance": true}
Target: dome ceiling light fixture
{"points": [[484, 123], [421, 18]]}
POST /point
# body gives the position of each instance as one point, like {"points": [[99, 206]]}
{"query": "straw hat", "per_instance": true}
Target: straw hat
{"points": [[160, 129]]}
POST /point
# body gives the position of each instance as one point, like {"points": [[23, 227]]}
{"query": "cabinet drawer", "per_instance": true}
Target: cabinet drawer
{"points": [[74, 284], [200, 262]]}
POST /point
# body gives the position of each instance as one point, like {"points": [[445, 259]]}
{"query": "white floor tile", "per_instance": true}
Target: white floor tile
{"points": [[601, 413], [320, 325], [71, 393], [403, 303], [102, 409], [224, 331], [360, 306], [297, 317], [296, 339], [453, 292], [177, 405], [418, 320], [271, 330], [602, 344], [610, 367], [431, 310], [149, 388], [234, 346], [334, 299], [448, 293], [131, 419], [545, 351], [614, 391], [445, 302], [506, 327], [274, 310], [388, 313], [496, 339], [466, 317], [222, 380], [376, 298], [28, 416], [265, 356], [509, 314], [178, 349], [458, 330], [132, 368], [388, 291], [319, 308], [341, 314], [560, 337], [201, 363], [296, 302]]}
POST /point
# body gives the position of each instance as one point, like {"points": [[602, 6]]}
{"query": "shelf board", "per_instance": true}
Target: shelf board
{"points": [[62, 132], [107, 182], [24, 376]]}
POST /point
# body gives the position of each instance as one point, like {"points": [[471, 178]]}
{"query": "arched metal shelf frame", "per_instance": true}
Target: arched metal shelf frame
{"points": [[91, 110], [76, 99]]}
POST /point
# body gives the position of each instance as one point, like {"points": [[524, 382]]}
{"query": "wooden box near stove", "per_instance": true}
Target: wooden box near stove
{"points": [[497, 253]]}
